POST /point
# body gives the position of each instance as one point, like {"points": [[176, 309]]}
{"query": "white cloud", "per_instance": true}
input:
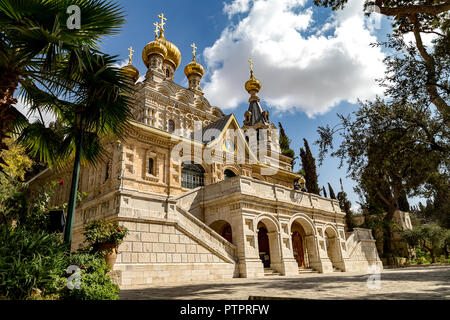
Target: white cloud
{"points": [[312, 72], [237, 6], [24, 108]]}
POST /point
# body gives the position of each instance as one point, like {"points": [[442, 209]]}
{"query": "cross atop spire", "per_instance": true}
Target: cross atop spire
{"points": [[194, 49], [156, 29], [131, 53], [161, 25], [250, 60]]}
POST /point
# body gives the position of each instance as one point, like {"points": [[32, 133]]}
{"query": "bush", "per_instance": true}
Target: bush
{"points": [[95, 284], [30, 261], [102, 231]]}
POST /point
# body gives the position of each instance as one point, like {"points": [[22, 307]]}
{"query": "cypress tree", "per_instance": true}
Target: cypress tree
{"points": [[324, 192], [345, 206], [331, 191], [309, 166], [285, 143]]}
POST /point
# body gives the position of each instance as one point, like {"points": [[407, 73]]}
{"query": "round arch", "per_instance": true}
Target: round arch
{"points": [[223, 228], [268, 242], [333, 247], [192, 175], [304, 241]]}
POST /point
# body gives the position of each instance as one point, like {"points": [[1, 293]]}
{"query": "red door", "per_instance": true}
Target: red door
{"points": [[297, 246]]}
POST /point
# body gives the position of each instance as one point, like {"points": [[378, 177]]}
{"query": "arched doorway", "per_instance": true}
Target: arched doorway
{"points": [[228, 174], [192, 175], [263, 245], [223, 228], [304, 243], [298, 249], [268, 244], [332, 244]]}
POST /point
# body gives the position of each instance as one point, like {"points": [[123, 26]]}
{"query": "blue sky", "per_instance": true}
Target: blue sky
{"points": [[230, 30]]}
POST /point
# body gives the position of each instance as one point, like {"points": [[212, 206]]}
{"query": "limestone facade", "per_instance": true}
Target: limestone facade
{"points": [[232, 214]]}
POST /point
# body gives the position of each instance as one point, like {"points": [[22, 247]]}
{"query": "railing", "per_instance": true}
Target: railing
{"points": [[202, 233], [268, 191]]}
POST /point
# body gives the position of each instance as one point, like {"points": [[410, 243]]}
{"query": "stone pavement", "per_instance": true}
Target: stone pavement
{"points": [[405, 283]]}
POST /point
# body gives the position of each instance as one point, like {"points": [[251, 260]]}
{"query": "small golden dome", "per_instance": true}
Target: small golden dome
{"points": [[194, 67], [131, 71], [173, 53], [154, 47], [252, 83]]}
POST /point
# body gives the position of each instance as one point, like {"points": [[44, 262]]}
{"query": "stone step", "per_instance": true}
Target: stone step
{"points": [[270, 272], [308, 270]]}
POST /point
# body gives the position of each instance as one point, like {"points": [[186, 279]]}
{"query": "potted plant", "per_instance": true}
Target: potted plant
{"points": [[105, 237]]}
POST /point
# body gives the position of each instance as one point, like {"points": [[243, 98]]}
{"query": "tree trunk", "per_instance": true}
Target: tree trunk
{"points": [[430, 65], [8, 85], [387, 241]]}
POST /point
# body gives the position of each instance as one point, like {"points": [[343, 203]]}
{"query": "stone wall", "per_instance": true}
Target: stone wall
{"points": [[162, 253]]}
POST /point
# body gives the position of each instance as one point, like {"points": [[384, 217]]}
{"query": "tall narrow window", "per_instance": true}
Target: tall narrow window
{"points": [[171, 126], [150, 165], [167, 73]]}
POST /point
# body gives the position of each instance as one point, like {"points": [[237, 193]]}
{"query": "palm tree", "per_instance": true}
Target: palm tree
{"points": [[35, 42], [98, 106]]}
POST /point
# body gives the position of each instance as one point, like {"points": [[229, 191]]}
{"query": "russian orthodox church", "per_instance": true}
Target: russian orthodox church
{"points": [[203, 197]]}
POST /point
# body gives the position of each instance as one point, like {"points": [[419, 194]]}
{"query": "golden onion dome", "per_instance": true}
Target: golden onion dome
{"points": [[252, 84], [173, 53], [154, 47], [131, 71], [194, 67]]}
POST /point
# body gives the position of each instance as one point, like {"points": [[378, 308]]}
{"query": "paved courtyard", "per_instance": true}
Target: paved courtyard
{"points": [[406, 283]]}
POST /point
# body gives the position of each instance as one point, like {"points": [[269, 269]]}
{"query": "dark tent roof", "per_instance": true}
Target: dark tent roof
{"points": [[257, 113]]}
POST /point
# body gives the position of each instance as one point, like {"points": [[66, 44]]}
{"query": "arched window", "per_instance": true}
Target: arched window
{"points": [[228, 174], [167, 73], [171, 126], [192, 175]]}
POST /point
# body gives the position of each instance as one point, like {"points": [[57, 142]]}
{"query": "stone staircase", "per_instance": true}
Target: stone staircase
{"points": [[268, 272]]}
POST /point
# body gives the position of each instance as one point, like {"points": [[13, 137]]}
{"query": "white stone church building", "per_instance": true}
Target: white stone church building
{"points": [[203, 196]]}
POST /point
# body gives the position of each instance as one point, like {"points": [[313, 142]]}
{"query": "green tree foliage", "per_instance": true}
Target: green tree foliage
{"points": [[309, 166], [436, 209], [285, 143], [36, 43], [30, 260], [415, 72], [324, 192], [429, 237], [95, 283], [13, 170], [388, 152], [345, 206], [331, 191]]}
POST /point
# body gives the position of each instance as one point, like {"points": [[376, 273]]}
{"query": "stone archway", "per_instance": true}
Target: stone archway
{"points": [[304, 243], [332, 246], [223, 228], [268, 244]]}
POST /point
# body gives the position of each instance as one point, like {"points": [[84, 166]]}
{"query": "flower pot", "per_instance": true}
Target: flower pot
{"points": [[110, 252]]}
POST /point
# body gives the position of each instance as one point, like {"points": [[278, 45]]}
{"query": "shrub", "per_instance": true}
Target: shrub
{"points": [[95, 284], [102, 231], [30, 260]]}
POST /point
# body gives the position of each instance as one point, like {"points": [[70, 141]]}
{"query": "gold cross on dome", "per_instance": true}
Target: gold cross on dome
{"points": [[131, 52], [194, 49], [162, 20], [156, 29], [251, 64]]}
